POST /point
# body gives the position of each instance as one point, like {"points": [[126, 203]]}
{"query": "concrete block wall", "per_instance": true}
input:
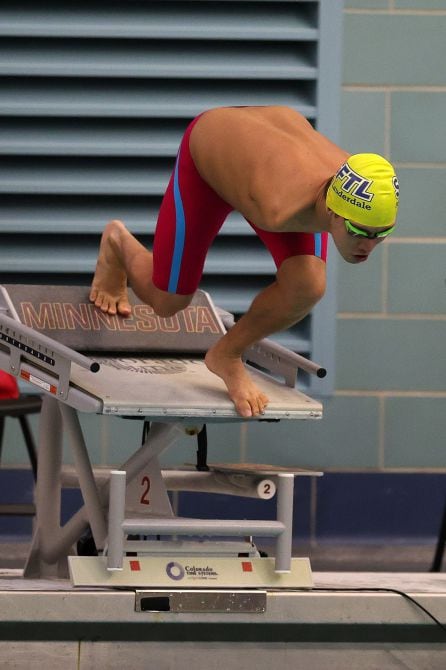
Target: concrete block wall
{"points": [[391, 325]]}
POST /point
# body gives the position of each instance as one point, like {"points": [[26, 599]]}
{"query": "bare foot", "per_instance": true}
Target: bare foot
{"points": [[109, 286], [247, 398]]}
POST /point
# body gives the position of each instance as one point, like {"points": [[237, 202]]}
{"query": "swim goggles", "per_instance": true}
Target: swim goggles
{"points": [[358, 232]]}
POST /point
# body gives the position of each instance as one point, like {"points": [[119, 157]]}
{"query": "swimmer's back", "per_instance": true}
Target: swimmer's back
{"points": [[256, 157]]}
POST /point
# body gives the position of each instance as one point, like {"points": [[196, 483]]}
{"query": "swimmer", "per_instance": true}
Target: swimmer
{"points": [[293, 186]]}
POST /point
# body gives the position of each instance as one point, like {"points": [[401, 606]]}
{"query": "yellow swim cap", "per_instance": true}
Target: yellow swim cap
{"points": [[365, 190]]}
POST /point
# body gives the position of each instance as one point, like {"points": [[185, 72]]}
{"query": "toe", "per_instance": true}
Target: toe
{"points": [[243, 407], [109, 306], [258, 404], [124, 308]]}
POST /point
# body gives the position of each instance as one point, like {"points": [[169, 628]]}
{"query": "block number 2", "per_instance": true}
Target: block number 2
{"points": [[145, 483]]}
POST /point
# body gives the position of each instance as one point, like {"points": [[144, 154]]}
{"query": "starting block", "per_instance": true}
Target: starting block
{"points": [[84, 361]]}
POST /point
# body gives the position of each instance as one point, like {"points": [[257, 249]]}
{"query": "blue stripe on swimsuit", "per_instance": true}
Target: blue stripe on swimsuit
{"points": [[318, 245], [180, 232]]}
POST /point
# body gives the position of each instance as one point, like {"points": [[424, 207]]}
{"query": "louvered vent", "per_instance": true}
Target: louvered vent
{"points": [[94, 98]]}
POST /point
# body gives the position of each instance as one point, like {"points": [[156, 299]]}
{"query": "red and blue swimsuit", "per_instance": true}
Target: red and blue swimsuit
{"points": [[190, 216]]}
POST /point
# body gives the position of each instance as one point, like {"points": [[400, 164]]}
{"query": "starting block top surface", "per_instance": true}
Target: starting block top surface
{"points": [[66, 314], [181, 387], [141, 366]]}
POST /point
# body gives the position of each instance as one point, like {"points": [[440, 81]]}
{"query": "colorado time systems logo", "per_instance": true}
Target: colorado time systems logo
{"points": [[175, 571]]}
